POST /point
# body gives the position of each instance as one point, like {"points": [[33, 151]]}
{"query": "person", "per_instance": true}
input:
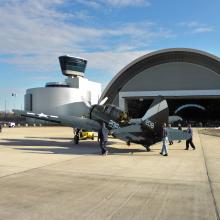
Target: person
{"points": [[179, 128], [76, 135], [147, 148], [103, 139], [164, 150], [170, 142], [189, 141]]}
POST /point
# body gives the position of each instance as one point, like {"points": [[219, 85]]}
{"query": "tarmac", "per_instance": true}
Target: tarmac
{"points": [[43, 175]]}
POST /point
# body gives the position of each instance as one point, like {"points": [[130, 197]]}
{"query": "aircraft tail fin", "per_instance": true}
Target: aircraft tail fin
{"points": [[158, 111]]}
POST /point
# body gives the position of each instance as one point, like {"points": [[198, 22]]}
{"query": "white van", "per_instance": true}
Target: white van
{"points": [[11, 124]]}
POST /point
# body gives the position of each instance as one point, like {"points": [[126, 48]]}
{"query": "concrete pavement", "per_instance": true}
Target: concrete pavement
{"points": [[43, 175]]}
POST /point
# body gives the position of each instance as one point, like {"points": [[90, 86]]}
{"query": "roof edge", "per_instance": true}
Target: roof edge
{"points": [[151, 54]]}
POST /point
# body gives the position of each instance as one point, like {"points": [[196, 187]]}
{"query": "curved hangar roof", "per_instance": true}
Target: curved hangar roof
{"points": [[169, 69]]}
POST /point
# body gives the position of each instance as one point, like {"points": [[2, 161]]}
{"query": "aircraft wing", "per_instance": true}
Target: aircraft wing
{"points": [[72, 121], [175, 134]]}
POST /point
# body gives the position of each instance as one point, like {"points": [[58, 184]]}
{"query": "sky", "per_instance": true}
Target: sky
{"points": [[108, 33]]}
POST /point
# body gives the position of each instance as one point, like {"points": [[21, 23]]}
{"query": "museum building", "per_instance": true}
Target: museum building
{"points": [[189, 79], [68, 97]]}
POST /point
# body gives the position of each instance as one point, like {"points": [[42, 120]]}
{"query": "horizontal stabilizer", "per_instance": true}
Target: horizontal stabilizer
{"points": [[126, 129], [131, 132], [175, 134]]}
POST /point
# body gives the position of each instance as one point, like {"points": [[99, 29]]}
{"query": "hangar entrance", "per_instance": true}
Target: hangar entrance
{"points": [[205, 110]]}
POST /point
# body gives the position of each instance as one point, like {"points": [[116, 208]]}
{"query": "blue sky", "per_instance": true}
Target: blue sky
{"points": [[109, 33]]}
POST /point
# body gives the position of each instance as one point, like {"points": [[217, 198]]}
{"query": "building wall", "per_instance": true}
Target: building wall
{"points": [[64, 100], [174, 76], [91, 91], [181, 75], [53, 100], [172, 69]]}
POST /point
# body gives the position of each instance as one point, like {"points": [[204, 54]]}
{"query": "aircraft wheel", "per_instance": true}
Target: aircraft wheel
{"points": [[147, 148]]}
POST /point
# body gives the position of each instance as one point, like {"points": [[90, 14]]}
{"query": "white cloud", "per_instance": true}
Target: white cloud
{"points": [[126, 3], [197, 27], [203, 29], [97, 4], [91, 3], [112, 61], [34, 33]]}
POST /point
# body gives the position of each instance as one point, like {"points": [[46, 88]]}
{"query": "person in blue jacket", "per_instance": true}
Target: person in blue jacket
{"points": [[103, 139], [190, 140]]}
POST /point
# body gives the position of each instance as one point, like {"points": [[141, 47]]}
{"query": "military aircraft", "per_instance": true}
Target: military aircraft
{"points": [[145, 131]]}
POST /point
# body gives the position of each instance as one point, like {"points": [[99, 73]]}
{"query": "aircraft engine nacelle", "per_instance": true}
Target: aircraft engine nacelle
{"points": [[107, 113]]}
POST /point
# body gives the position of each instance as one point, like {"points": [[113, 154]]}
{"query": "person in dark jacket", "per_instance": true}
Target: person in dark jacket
{"points": [[179, 128], [103, 139], [189, 141]]}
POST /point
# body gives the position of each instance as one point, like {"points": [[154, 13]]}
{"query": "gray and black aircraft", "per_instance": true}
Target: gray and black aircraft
{"points": [[145, 131]]}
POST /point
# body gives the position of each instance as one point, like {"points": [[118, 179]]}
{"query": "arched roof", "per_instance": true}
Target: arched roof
{"points": [[155, 58]]}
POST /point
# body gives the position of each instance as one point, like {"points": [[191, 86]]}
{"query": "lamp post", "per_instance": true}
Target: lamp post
{"points": [[5, 108], [14, 95]]}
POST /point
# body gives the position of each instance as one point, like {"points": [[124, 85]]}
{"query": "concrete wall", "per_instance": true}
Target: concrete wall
{"points": [[65, 100]]}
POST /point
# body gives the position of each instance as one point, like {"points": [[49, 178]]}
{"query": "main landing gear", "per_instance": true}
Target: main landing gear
{"points": [[147, 148], [76, 136], [76, 139]]}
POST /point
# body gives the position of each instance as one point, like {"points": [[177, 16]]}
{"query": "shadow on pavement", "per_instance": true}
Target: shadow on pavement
{"points": [[50, 138], [58, 147]]}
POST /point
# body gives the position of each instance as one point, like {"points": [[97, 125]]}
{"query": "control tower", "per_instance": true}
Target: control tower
{"points": [[65, 97], [72, 66]]}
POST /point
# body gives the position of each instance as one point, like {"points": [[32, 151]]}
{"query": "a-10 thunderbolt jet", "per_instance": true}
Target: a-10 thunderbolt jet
{"points": [[145, 131]]}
